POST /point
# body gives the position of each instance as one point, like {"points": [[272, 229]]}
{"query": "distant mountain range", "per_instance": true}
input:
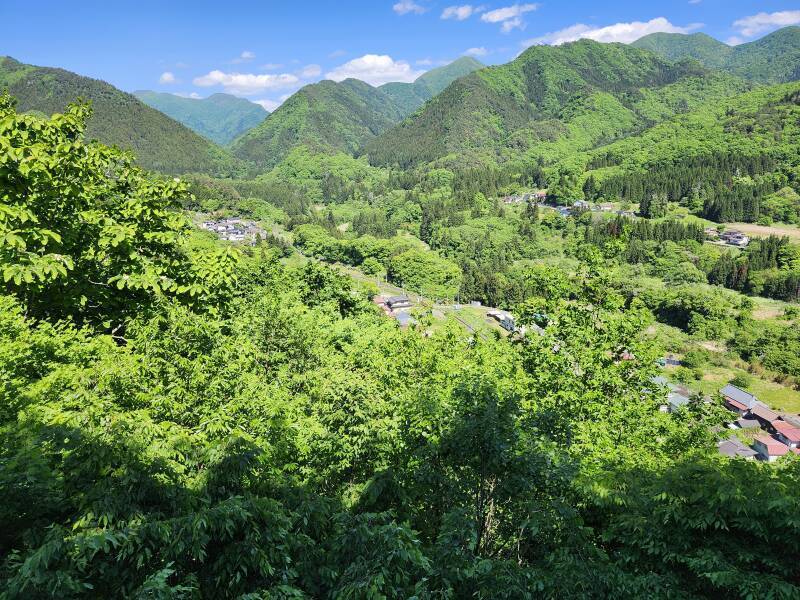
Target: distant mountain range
{"points": [[119, 118], [775, 58], [341, 116], [550, 101], [220, 118]]}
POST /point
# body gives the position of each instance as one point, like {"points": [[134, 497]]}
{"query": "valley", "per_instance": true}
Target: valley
{"points": [[515, 330]]}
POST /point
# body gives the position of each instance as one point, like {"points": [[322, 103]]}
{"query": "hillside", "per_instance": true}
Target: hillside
{"points": [[119, 118], [775, 58], [330, 115], [220, 118], [692, 158], [551, 100], [410, 96]]}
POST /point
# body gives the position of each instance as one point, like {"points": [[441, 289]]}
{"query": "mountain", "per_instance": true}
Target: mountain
{"points": [[410, 96], [119, 118], [342, 116], [331, 115], [549, 102], [775, 58], [220, 118]]}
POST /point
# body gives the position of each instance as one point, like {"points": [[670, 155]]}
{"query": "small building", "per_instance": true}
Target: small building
{"points": [[764, 414], [404, 319], [677, 398], [505, 319], [397, 302], [786, 433], [733, 448], [793, 420], [770, 449], [737, 400], [747, 423]]}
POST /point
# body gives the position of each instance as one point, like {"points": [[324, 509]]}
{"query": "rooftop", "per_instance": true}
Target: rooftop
{"points": [[790, 432], [734, 393], [773, 446], [733, 447]]}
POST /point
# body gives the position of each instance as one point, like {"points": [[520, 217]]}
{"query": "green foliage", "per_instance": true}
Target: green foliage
{"points": [[84, 234], [426, 273], [118, 119], [220, 118]]}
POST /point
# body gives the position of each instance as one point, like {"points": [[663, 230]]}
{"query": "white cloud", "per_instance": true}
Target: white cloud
{"points": [[337, 53], [408, 6], [245, 56], [166, 78], [480, 51], [272, 66], [460, 13], [267, 104], [734, 40], [510, 17], [618, 32], [310, 71], [246, 83], [424, 62], [375, 69], [755, 24]]}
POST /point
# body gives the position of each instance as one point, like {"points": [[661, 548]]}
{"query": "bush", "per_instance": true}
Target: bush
{"points": [[742, 380]]}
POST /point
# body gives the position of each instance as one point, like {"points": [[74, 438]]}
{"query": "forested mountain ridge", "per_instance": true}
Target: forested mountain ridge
{"points": [[324, 115], [220, 118], [774, 58], [721, 159], [341, 116], [160, 143], [410, 96], [577, 95]]}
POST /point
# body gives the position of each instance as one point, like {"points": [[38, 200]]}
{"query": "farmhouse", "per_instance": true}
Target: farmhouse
{"points": [[737, 400], [764, 415], [769, 449], [395, 302]]}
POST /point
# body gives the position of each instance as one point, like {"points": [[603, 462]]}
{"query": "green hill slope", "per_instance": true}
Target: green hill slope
{"points": [[548, 102], [720, 160], [119, 118], [775, 58], [220, 118], [410, 96], [325, 115]]}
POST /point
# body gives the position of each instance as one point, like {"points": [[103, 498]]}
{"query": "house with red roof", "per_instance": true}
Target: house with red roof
{"points": [[738, 400], [787, 433], [770, 449]]}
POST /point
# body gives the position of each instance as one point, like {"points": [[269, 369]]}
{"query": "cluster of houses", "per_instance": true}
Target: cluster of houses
{"points": [[779, 433], [529, 197], [397, 307], [233, 230], [731, 237]]}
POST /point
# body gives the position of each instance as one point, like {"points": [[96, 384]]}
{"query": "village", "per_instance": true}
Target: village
{"points": [[234, 230]]}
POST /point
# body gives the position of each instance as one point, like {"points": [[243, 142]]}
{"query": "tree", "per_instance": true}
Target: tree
{"points": [[84, 233]]}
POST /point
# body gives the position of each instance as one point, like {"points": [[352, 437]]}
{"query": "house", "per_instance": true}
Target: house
{"points": [[505, 319], [396, 302], [770, 449], [787, 433], [737, 399], [733, 448], [764, 414], [580, 204], [793, 420]]}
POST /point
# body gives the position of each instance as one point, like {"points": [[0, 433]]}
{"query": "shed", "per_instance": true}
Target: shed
{"points": [[764, 414], [395, 302], [734, 448]]}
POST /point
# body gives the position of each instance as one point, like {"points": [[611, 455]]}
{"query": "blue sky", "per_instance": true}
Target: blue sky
{"points": [[265, 50]]}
